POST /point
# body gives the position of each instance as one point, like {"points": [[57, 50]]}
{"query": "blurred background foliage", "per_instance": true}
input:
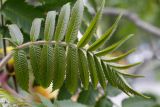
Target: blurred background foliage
{"points": [[23, 12]]}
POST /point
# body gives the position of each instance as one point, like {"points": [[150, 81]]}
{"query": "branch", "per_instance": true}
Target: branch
{"points": [[26, 45], [135, 19]]}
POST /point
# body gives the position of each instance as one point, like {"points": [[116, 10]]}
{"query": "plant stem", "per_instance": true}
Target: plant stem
{"points": [[26, 45]]}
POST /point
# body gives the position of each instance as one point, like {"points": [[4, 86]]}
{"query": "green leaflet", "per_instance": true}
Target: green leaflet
{"points": [[117, 80], [113, 47], [72, 69], [59, 66], [62, 22], [35, 29], [100, 73], [21, 69], [105, 36], [118, 66], [46, 65], [130, 75], [92, 70], [49, 25], [16, 34], [114, 59], [75, 21], [35, 53], [91, 29], [83, 69]]}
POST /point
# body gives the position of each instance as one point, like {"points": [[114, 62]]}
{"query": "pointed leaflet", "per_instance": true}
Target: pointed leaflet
{"points": [[118, 80], [75, 21], [21, 69], [16, 34], [72, 69], [105, 36], [101, 77], [49, 25], [91, 29], [35, 29], [114, 59], [130, 75], [62, 22], [92, 70], [118, 66], [113, 47], [35, 53], [46, 65], [83, 69], [59, 66]]}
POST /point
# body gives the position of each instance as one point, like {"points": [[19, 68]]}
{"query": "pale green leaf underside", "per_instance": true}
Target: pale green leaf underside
{"points": [[16, 34], [74, 22], [62, 23], [49, 25], [35, 29]]}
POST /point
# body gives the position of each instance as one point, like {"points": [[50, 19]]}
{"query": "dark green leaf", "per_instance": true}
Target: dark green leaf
{"points": [[104, 102], [72, 69], [35, 53], [101, 76], [88, 97], [21, 69], [83, 69], [92, 70], [20, 13], [59, 66], [46, 65], [117, 80]]}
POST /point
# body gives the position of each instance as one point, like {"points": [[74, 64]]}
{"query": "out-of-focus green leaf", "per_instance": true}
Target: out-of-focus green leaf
{"points": [[54, 4], [20, 13], [88, 97], [104, 102], [139, 102], [63, 93], [45, 101], [67, 103]]}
